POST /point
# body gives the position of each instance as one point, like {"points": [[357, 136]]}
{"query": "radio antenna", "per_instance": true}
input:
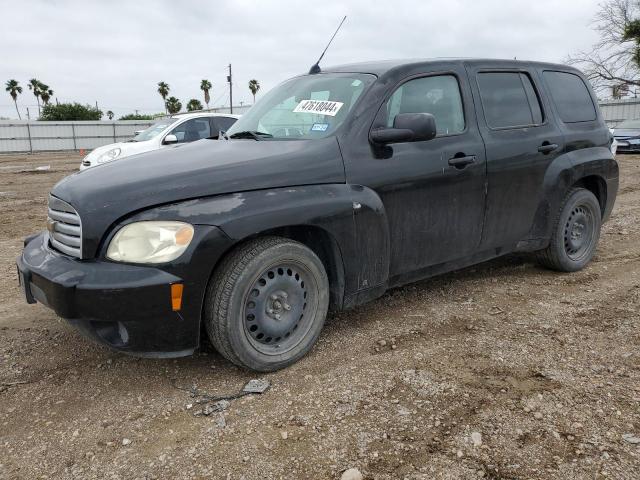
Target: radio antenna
{"points": [[316, 66]]}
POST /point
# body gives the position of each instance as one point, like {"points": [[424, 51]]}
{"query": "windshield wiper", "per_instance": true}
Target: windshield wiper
{"points": [[251, 134]]}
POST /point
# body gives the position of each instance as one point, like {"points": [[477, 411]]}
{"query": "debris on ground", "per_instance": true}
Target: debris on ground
{"points": [[351, 474], [631, 438], [212, 404]]}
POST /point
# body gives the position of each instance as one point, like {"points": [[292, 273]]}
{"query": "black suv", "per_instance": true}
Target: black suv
{"points": [[335, 187]]}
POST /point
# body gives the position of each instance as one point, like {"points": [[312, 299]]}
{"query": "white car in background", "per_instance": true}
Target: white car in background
{"points": [[176, 129]]}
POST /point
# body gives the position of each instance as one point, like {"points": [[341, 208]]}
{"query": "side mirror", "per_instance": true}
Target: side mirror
{"points": [[169, 139], [407, 127]]}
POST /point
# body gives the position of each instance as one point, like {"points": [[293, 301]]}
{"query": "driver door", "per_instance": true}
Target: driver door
{"points": [[192, 130], [434, 205]]}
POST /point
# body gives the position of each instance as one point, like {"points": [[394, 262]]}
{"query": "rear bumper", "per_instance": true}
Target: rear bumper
{"points": [[126, 307]]}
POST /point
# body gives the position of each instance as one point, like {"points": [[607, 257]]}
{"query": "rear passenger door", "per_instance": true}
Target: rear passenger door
{"points": [[521, 139]]}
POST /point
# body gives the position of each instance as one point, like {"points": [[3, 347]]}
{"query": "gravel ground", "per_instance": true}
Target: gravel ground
{"points": [[501, 371]]}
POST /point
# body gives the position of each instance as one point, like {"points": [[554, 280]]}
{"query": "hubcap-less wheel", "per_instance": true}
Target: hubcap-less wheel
{"points": [[575, 234], [579, 232], [279, 308], [266, 303]]}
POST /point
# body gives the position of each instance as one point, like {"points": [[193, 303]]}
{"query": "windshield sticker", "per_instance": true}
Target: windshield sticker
{"points": [[319, 127], [322, 107]]}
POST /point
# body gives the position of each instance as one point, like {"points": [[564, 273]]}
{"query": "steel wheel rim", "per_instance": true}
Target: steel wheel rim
{"points": [[279, 307], [579, 232]]}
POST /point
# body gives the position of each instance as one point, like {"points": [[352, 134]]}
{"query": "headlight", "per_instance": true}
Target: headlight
{"points": [[150, 242], [109, 155]]}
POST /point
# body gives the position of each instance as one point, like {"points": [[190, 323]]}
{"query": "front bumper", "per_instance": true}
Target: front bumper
{"points": [[126, 307], [628, 146]]}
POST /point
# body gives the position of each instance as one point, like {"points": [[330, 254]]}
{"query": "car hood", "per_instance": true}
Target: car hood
{"points": [[626, 132], [104, 195]]}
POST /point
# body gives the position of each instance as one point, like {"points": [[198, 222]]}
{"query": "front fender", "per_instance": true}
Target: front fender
{"points": [[352, 215]]}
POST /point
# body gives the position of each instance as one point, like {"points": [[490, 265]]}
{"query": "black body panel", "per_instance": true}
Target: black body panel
{"points": [[199, 169], [377, 215]]}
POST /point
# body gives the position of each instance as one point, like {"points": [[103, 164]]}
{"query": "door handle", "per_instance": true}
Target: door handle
{"points": [[547, 147], [462, 161]]}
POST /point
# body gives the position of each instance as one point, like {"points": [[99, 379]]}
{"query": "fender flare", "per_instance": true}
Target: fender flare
{"points": [[566, 170]]}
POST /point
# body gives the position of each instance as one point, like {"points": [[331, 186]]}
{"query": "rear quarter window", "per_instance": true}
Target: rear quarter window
{"points": [[571, 96]]}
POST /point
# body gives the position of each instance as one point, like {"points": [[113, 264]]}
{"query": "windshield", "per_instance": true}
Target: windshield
{"points": [[312, 106], [154, 130], [630, 124]]}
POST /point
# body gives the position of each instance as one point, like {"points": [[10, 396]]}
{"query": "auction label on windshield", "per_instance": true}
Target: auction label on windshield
{"points": [[322, 107]]}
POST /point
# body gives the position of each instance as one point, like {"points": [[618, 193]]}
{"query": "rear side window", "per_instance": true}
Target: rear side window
{"points": [[509, 100], [571, 97], [438, 95]]}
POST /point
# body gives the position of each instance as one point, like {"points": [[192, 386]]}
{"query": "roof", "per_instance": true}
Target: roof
{"points": [[203, 114], [383, 66]]}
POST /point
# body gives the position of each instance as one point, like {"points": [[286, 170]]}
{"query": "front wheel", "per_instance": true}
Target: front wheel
{"points": [[266, 303], [576, 233]]}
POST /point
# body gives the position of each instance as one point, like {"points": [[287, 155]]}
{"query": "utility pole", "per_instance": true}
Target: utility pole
{"points": [[230, 90]]}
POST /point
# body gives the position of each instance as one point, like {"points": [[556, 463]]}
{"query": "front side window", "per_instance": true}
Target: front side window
{"points": [[571, 97], [192, 130], [154, 130], [437, 95], [509, 100], [311, 106], [222, 123]]}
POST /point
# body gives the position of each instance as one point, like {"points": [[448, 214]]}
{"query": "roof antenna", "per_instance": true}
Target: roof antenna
{"points": [[316, 66]]}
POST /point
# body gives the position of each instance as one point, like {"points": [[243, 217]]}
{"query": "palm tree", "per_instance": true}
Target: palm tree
{"points": [[34, 85], [173, 105], [205, 86], [14, 88], [193, 105], [163, 90], [254, 86], [110, 114], [45, 93]]}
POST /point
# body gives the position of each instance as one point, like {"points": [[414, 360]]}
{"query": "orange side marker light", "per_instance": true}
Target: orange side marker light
{"points": [[176, 296]]}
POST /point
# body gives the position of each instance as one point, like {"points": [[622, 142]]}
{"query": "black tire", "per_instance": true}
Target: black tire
{"points": [[266, 303], [575, 233]]}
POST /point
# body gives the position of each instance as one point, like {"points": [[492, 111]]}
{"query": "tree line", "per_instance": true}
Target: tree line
{"points": [[76, 111], [40, 90], [172, 105], [613, 63]]}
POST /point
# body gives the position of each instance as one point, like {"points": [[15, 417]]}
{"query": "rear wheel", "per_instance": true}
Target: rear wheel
{"points": [[266, 304], [576, 233]]}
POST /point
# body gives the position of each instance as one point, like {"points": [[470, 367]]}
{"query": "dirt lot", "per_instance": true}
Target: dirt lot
{"points": [[504, 370]]}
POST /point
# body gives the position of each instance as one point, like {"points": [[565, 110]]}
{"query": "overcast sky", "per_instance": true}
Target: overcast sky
{"points": [[115, 52]]}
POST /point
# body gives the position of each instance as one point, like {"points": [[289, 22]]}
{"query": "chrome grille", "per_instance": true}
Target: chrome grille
{"points": [[65, 228]]}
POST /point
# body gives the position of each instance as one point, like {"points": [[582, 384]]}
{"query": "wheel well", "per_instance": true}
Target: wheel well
{"points": [[597, 186], [326, 247]]}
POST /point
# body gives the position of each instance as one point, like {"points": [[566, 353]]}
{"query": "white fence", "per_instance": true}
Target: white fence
{"points": [[22, 136], [36, 136], [616, 111]]}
